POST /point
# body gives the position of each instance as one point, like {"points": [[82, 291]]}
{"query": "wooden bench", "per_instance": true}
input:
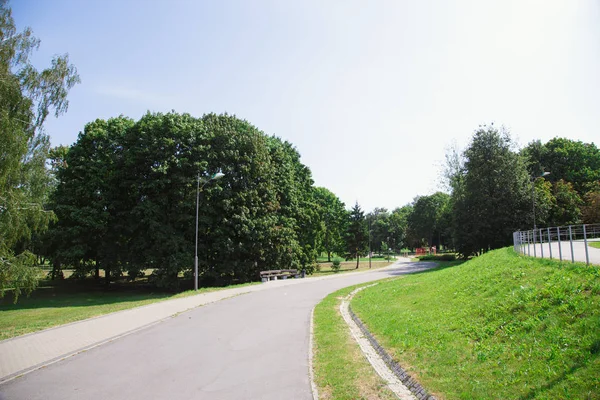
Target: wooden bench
{"points": [[274, 274]]}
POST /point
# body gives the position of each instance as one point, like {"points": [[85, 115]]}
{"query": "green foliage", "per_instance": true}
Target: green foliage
{"points": [[572, 161], [430, 219], [545, 201], [332, 215], [500, 326], [591, 209], [357, 236], [126, 201], [574, 171], [398, 227], [336, 264], [491, 195], [567, 207], [27, 96], [437, 257]]}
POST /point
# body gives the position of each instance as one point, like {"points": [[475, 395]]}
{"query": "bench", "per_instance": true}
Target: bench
{"points": [[274, 274]]}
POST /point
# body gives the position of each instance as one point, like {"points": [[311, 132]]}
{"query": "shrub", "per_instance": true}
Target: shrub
{"points": [[437, 257], [336, 264]]}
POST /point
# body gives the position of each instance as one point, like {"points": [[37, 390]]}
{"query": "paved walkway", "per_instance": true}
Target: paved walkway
{"points": [[562, 250], [29, 352]]}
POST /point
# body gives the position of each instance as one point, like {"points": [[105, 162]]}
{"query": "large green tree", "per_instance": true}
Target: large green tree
{"points": [[567, 207], [427, 220], [332, 215], [491, 193], [570, 160], [591, 209], [398, 226], [357, 236], [27, 97], [126, 201]]}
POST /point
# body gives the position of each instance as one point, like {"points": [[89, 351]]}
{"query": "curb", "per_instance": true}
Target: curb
{"points": [[415, 387]]}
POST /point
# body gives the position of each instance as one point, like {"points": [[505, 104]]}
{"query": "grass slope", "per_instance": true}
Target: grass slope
{"points": [[341, 370], [501, 326]]}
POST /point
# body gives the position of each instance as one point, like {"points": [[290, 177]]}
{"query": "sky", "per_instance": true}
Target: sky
{"points": [[371, 93]]}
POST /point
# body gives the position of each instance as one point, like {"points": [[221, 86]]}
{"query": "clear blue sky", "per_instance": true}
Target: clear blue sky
{"points": [[371, 93]]}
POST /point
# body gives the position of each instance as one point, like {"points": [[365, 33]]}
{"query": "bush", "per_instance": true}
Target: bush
{"points": [[437, 257], [336, 264]]}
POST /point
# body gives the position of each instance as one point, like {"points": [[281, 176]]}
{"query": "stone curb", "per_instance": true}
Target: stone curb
{"points": [[419, 391]]}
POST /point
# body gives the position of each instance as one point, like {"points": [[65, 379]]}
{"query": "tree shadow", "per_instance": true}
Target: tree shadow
{"points": [[422, 267], [68, 293], [533, 393]]}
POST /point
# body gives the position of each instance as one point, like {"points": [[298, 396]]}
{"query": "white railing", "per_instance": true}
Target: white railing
{"points": [[570, 243]]}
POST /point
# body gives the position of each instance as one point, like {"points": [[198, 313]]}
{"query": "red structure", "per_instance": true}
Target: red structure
{"points": [[421, 251]]}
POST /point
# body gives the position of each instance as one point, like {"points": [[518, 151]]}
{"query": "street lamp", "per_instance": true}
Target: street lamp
{"points": [[199, 188], [533, 179]]}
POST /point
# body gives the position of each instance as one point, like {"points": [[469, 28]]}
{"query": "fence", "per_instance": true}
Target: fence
{"points": [[571, 243]]}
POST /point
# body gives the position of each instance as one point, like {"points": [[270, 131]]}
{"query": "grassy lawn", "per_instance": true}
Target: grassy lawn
{"points": [[60, 302], [500, 326], [322, 259], [341, 370], [349, 266], [594, 244]]}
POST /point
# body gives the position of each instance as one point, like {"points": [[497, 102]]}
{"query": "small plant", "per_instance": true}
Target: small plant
{"points": [[437, 257], [336, 264]]}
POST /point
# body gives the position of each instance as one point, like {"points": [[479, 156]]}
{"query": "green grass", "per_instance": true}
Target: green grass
{"points": [[349, 266], [500, 326], [341, 371], [594, 244], [323, 259], [62, 302]]}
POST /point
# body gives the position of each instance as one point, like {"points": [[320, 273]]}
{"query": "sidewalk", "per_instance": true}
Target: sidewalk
{"points": [[25, 353], [562, 250]]}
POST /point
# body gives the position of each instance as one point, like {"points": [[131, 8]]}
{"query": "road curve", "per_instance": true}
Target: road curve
{"points": [[253, 346]]}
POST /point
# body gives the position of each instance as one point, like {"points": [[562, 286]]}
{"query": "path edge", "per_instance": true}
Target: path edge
{"points": [[415, 387], [311, 349]]}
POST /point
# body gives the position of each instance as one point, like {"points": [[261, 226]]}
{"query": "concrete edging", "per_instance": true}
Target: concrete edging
{"points": [[415, 387]]}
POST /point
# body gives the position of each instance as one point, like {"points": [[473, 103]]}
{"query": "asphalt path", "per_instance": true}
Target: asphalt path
{"points": [[253, 346], [562, 250]]}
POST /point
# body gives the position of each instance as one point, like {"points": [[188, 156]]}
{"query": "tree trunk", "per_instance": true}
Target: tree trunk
{"points": [[328, 256], [357, 260], [97, 274], [107, 276]]}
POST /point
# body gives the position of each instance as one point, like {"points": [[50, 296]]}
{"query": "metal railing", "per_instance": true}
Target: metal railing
{"points": [[565, 243]]}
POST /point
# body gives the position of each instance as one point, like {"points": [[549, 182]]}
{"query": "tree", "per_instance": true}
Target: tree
{"points": [[545, 201], [27, 97], [591, 209], [427, 218], [126, 201], [398, 226], [332, 215], [567, 207], [572, 161], [491, 195], [378, 223], [357, 237]]}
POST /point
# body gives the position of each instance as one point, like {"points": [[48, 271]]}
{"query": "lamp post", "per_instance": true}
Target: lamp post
{"points": [[216, 176], [533, 179]]}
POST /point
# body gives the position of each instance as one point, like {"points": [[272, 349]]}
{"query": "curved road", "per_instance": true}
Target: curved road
{"points": [[253, 346]]}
